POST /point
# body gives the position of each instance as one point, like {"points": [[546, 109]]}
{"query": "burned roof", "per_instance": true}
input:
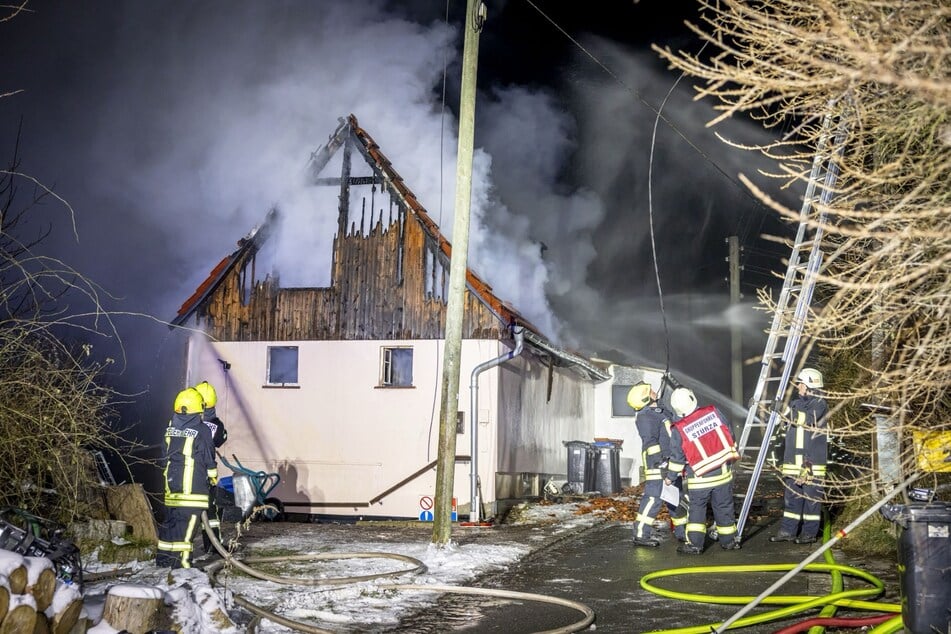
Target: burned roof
{"points": [[384, 173]]}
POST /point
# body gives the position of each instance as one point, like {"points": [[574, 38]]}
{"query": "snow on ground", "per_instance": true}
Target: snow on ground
{"points": [[354, 606]]}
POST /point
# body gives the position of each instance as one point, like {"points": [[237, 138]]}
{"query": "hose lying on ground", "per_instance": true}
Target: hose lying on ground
{"points": [[795, 604], [227, 559], [838, 621]]}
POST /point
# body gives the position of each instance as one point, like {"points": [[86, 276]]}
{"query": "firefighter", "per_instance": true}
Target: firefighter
{"points": [[701, 444], [219, 435], [653, 426], [804, 461], [190, 469]]}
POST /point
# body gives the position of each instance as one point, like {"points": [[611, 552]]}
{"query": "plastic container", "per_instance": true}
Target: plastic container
{"points": [[607, 468], [226, 483], [924, 559], [581, 466]]}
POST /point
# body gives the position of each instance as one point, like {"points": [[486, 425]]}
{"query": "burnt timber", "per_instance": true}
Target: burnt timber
{"points": [[389, 276]]}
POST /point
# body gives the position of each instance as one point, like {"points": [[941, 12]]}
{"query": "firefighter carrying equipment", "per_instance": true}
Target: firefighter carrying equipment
{"points": [[189, 401], [683, 401], [639, 396], [708, 443]]}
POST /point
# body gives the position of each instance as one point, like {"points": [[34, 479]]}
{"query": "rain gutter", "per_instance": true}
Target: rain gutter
{"points": [[475, 503]]}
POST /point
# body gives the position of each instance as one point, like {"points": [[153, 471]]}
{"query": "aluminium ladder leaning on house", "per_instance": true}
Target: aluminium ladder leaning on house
{"points": [[790, 314]]}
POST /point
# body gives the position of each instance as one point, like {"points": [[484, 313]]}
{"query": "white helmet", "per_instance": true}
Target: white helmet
{"points": [[683, 401], [811, 377]]}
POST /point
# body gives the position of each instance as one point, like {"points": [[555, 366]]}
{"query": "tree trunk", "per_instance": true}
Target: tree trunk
{"points": [[134, 608], [4, 602], [42, 624], [20, 619], [65, 620], [18, 579], [43, 589]]}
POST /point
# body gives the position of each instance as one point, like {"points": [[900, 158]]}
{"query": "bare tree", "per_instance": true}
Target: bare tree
{"points": [[882, 68], [53, 408]]}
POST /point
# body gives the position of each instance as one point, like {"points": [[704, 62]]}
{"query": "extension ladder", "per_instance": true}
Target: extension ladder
{"points": [[102, 466], [792, 309]]}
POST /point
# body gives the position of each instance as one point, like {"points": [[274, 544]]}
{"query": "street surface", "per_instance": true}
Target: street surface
{"points": [[602, 569]]}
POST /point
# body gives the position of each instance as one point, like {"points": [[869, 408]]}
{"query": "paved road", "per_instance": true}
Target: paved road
{"points": [[601, 569]]}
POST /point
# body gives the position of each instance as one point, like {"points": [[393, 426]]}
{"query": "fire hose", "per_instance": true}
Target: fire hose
{"points": [[795, 604], [418, 568]]}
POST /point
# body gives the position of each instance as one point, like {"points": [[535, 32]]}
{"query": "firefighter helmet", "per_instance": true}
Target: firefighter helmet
{"points": [[811, 377], [208, 394], [639, 396], [683, 401], [189, 401]]}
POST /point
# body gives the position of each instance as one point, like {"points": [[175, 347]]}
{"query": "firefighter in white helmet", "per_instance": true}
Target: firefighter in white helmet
{"points": [[653, 426], [804, 461], [190, 470], [701, 443]]}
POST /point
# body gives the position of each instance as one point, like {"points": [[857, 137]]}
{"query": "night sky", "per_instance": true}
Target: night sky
{"points": [[172, 127]]}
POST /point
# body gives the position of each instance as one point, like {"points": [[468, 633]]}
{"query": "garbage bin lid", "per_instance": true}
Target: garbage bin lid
{"points": [[925, 512]]}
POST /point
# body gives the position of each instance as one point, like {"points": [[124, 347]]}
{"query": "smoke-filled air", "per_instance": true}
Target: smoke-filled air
{"points": [[172, 128]]}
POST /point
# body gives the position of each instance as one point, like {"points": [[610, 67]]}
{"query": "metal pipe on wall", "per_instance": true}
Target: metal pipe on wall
{"points": [[475, 503]]}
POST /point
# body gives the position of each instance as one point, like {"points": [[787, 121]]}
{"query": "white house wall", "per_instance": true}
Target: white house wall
{"points": [[339, 440], [622, 425], [532, 439]]}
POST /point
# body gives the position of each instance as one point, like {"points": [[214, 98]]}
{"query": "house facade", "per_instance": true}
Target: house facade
{"points": [[336, 388]]}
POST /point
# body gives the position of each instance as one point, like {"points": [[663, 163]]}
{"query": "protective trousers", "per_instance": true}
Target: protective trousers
{"points": [[720, 498], [175, 537], [801, 503], [650, 507]]}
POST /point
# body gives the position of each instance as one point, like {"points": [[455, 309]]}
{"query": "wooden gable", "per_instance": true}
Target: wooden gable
{"points": [[389, 276]]}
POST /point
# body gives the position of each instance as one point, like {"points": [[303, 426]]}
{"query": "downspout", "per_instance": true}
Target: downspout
{"points": [[475, 503]]}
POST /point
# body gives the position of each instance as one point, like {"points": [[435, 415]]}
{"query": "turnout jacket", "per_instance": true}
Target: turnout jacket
{"points": [[702, 442], [190, 467], [218, 432], [653, 426], [806, 437]]}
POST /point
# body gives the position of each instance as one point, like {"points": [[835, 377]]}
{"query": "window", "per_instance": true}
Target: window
{"points": [[397, 367], [282, 365], [619, 406]]}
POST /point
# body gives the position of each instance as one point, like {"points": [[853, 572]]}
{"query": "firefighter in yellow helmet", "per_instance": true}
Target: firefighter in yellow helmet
{"points": [[210, 415], [653, 426], [219, 435], [190, 469]]}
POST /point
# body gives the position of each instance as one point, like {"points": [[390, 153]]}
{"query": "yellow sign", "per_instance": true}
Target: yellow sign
{"points": [[933, 450]]}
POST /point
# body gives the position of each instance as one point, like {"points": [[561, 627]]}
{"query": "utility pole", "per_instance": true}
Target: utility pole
{"points": [[446, 452], [736, 336]]}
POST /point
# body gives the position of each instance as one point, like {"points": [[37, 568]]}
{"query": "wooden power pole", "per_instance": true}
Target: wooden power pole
{"points": [[446, 453], [736, 336]]}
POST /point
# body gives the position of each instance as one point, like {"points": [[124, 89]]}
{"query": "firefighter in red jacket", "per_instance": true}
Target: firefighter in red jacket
{"points": [[804, 462], [190, 470], [701, 444], [653, 426]]}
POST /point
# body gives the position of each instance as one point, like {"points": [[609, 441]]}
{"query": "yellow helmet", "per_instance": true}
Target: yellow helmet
{"points": [[189, 401], [639, 396], [208, 394]]}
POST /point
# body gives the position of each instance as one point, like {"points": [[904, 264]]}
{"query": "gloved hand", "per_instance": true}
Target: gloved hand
{"points": [[805, 475], [212, 482], [664, 473]]}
